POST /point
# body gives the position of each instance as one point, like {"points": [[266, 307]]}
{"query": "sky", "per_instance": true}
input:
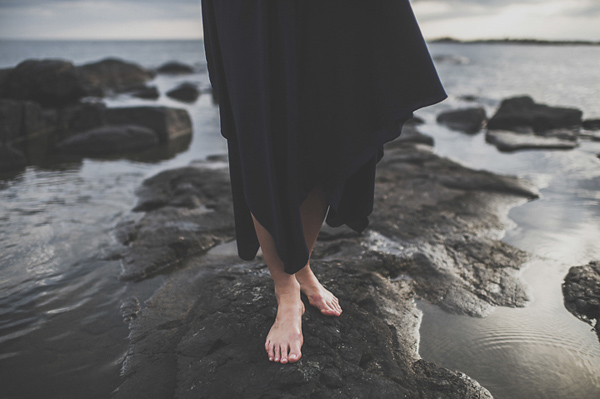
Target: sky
{"points": [[181, 19]]}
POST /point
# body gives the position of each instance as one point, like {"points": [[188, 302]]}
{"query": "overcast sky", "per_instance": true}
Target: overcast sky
{"points": [[172, 19]]}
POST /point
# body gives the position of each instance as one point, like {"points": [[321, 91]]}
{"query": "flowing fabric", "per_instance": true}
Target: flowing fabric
{"points": [[309, 91]]}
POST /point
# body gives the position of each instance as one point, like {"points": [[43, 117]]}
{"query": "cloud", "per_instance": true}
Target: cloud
{"points": [[540, 19], [100, 19]]}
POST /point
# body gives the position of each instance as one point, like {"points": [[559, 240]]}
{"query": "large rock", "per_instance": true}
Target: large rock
{"points": [[50, 82], [517, 112], [511, 141], [435, 233], [21, 121], [11, 159], [581, 292], [202, 335], [108, 140], [186, 92], [147, 92], [175, 68], [468, 120], [73, 119], [113, 75], [168, 123]]}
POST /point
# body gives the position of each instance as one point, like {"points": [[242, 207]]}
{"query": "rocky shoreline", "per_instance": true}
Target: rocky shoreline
{"points": [[434, 234]]}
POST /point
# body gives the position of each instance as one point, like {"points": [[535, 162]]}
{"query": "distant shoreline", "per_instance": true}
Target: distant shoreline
{"points": [[517, 41]]}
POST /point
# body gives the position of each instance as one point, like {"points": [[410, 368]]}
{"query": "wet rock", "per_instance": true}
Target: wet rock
{"points": [[107, 140], [130, 308], [202, 335], [468, 120], [435, 233], [11, 159], [591, 124], [49, 82], [523, 111], [511, 141], [175, 68], [188, 211], [563, 134], [581, 292], [112, 75], [147, 92], [186, 92], [168, 123], [73, 119], [590, 135]]}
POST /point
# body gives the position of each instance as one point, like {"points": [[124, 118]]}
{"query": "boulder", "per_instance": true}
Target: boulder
{"points": [[581, 292], [591, 124], [523, 111], [11, 159], [563, 134], [73, 119], [511, 141], [21, 120], [168, 123], [186, 92], [175, 68], [49, 82], [113, 75], [107, 140], [468, 120]]}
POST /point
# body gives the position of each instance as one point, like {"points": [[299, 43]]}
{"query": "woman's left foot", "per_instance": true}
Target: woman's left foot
{"points": [[318, 296]]}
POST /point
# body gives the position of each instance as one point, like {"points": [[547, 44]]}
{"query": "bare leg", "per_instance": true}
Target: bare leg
{"points": [[285, 337], [313, 211]]}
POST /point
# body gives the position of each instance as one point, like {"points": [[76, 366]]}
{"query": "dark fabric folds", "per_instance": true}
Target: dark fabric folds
{"points": [[309, 91]]}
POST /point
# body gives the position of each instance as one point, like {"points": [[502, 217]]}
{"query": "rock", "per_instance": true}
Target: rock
{"points": [[435, 233], [511, 141], [11, 159], [590, 135], [468, 120], [523, 111], [3, 74], [581, 292], [148, 92], [591, 124], [453, 59], [49, 82], [21, 121], [74, 119], [168, 123], [113, 75], [108, 140], [202, 335], [175, 68], [186, 92], [189, 211], [411, 135]]}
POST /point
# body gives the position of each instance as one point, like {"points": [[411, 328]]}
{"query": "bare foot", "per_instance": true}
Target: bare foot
{"points": [[318, 296], [285, 337]]}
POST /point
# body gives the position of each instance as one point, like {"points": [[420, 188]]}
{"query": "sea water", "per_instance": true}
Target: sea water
{"points": [[61, 333]]}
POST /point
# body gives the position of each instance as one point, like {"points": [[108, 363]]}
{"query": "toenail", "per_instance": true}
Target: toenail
{"points": [[271, 359]]}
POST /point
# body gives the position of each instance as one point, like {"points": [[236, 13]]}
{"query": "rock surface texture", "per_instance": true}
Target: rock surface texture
{"points": [[581, 292], [434, 234], [511, 141]]}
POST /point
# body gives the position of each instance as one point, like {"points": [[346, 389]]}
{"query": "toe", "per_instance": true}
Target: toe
{"points": [[284, 353], [277, 353], [271, 352]]}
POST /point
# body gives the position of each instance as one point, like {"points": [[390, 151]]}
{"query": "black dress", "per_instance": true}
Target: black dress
{"points": [[309, 91]]}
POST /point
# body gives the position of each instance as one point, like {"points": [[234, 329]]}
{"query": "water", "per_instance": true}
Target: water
{"points": [[61, 333]]}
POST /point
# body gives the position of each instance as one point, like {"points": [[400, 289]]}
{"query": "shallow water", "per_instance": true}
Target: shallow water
{"points": [[61, 331]]}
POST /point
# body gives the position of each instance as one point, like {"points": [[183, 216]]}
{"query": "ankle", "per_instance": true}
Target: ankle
{"points": [[289, 289]]}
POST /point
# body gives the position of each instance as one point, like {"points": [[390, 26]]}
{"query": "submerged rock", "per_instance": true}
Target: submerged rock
{"points": [[591, 124], [581, 292], [522, 111], [511, 141], [11, 159], [468, 120], [148, 92], [109, 140]]}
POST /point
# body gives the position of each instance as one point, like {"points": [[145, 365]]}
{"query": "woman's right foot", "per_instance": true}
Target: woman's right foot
{"points": [[318, 296], [285, 337]]}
